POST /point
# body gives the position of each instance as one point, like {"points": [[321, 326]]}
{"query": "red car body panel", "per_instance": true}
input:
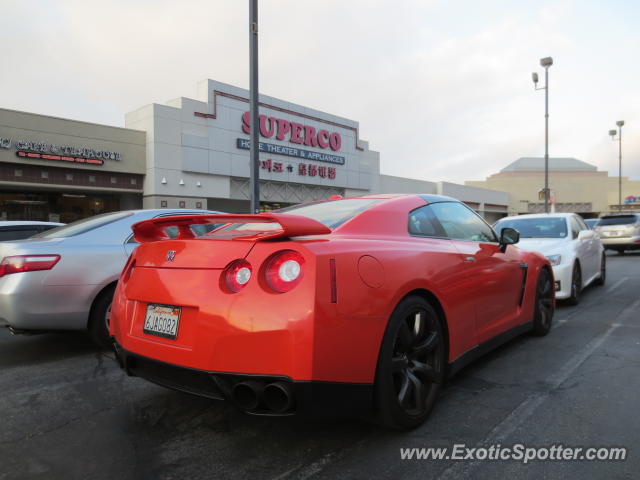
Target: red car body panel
{"points": [[329, 328]]}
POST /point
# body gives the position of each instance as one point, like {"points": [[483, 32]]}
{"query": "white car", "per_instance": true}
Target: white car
{"points": [[574, 251]]}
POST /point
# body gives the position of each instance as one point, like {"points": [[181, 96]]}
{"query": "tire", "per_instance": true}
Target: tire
{"points": [[99, 318], [576, 285], [411, 365], [543, 309], [603, 272]]}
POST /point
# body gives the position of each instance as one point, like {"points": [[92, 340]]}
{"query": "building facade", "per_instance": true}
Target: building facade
{"points": [[53, 169], [198, 155], [194, 153], [576, 186], [198, 152]]}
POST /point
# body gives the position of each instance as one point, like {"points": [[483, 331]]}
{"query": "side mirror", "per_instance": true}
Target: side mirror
{"points": [[585, 234], [508, 236]]}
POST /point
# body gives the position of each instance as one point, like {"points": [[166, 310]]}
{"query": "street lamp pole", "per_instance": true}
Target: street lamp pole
{"points": [[546, 140], [254, 168], [546, 63], [620, 124]]}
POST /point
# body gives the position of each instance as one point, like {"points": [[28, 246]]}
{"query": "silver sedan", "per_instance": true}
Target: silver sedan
{"points": [[64, 279]]}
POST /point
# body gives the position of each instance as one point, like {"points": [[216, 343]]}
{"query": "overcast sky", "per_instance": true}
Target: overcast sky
{"points": [[442, 89]]}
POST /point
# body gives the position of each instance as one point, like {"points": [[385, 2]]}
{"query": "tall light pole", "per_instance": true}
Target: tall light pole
{"points": [[619, 123], [546, 63], [254, 150]]}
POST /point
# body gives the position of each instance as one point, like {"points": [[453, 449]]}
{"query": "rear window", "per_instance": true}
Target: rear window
{"points": [[198, 229], [83, 226], [617, 220], [332, 214], [17, 233]]}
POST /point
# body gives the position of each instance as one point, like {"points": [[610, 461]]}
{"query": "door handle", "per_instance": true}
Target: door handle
{"points": [[469, 259]]}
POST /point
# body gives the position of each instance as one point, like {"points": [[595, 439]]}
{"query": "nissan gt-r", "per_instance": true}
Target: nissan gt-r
{"points": [[358, 306]]}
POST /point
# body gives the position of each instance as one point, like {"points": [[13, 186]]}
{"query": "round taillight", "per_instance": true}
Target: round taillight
{"points": [[237, 275], [284, 270]]}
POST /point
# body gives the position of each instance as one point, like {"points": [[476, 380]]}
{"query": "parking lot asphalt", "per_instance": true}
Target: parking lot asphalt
{"points": [[68, 411]]}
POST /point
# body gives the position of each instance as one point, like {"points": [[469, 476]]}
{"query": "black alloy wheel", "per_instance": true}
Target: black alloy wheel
{"points": [[576, 285], [544, 308], [412, 364]]}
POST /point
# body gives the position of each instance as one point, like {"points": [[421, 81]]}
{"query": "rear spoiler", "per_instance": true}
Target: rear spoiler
{"points": [[292, 226]]}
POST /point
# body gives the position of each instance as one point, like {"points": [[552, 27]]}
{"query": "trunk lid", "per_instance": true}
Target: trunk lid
{"points": [[29, 246], [607, 231], [195, 253]]}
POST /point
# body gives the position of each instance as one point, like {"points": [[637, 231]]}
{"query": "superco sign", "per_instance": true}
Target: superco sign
{"points": [[293, 132], [245, 144]]}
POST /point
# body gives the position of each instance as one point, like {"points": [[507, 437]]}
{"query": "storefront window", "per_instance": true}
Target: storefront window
{"points": [[54, 207]]}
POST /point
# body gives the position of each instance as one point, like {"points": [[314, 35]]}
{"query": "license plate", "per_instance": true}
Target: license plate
{"points": [[162, 320]]}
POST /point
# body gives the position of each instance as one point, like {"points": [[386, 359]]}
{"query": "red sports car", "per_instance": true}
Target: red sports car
{"points": [[358, 306]]}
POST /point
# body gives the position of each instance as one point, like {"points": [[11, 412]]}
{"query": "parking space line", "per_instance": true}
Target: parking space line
{"points": [[616, 285], [562, 319], [523, 411]]}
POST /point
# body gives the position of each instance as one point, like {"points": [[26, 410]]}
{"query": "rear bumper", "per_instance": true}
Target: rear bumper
{"points": [[621, 242], [255, 331], [309, 398], [27, 303]]}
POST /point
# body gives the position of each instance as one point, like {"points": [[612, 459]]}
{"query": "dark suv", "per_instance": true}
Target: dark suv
{"points": [[619, 231]]}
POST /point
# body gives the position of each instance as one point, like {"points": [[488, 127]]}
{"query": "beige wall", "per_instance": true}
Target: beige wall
{"points": [[156, 201], [392, 184], [21, 126], [629, 187], [493, 199], [573, 187]]}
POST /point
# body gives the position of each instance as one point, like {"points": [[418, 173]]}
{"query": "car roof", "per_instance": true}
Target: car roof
{"points": [[385, 197], [619, 214], [429, 197], [12, 223], [540, 215], [167, 210]]}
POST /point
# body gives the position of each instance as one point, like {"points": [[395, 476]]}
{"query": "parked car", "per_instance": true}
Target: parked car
{"points": [[575, 252], [590, 222], [360, 306], [19, 229], [619, 231], [64, 278]]}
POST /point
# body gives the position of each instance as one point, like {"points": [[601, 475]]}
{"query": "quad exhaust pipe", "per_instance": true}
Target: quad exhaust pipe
{"points": [[249, 395], [278, 397]]}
